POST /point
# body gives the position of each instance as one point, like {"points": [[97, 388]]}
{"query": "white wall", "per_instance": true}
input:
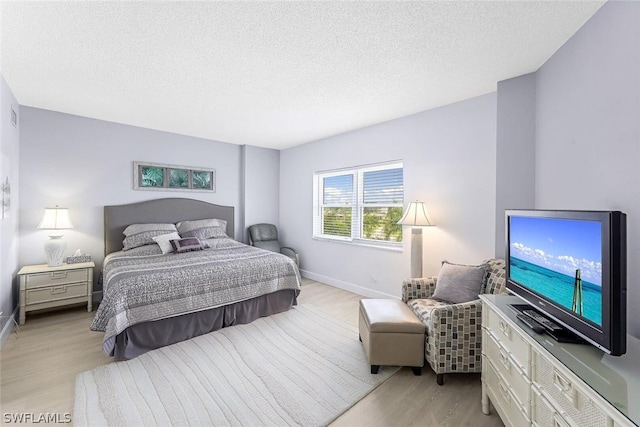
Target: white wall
{"points": [[9, 166], [588, 127], [261, 186], [449, 162], [515, 150], [85, 164]]}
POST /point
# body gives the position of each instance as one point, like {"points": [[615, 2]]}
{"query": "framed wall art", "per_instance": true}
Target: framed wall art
{"points": [[155, 176]]}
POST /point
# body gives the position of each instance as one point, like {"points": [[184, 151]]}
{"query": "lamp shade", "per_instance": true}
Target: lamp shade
{"points": [[416, 215], [55, 219]]}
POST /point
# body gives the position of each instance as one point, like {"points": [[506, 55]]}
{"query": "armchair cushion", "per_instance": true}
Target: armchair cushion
{"points": [[459, 283], [270, 245], [423, 308]]}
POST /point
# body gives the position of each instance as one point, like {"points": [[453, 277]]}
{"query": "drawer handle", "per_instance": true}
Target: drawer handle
{"points": [[504, 392], [565, 388], [58, 290], [506, 330], [59, 275], [505, 361]]}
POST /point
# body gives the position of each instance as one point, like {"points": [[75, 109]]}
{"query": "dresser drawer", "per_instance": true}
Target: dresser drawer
{"points": [[508, 369], [511, 340], [544, 414], [564, 392], [54, 293], [504, 400], [35, 280]]}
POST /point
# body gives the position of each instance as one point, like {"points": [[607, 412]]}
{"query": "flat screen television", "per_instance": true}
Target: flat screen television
{"points": [[571, 266]]}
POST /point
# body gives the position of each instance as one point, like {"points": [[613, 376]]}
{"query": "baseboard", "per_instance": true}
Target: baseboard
{"points": [[356, 289], [8, 327]]}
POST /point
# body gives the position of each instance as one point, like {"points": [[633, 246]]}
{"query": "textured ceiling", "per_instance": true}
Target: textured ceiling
{"points": [[271, 74]]}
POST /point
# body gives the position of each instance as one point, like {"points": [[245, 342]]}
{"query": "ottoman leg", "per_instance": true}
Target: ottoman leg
{"points": [[360, 337], [417, 370], [374, 369], [440, 379]]}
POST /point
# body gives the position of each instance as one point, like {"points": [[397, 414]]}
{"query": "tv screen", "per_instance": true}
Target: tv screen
{"points": [[571, 265]]}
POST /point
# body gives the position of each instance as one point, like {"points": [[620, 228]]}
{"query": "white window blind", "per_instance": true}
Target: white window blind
{"points": [[360, 204]]}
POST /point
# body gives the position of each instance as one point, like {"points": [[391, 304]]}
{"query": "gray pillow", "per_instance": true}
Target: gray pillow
{"points": [[141, 228], [205, 233], [142, 234], [459, 283], [212, 228]]}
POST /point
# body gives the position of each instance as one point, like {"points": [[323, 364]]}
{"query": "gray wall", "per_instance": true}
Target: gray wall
{"points": [[449, 163], [9, 166], [588, 127], [261, 186], [515, 150], [84, 164]]}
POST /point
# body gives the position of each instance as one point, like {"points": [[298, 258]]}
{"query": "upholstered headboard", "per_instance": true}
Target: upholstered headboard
{"points": [[117, 218]]}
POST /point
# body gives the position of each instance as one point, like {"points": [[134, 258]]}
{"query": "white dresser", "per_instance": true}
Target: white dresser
{"points": [[531, 379], [42, 286]]}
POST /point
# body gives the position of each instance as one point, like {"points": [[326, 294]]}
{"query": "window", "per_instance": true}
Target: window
{"points": [[359, 205]]}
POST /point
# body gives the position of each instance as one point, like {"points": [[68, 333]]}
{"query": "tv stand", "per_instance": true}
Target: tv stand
{"points": [[555, 331], [531, 379]]}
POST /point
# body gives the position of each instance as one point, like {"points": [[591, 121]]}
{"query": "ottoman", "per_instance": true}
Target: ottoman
{"points": [[391, 334]]}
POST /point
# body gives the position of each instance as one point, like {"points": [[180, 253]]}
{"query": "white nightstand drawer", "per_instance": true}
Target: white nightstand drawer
{"points": [[57, 292], [61, 277]]}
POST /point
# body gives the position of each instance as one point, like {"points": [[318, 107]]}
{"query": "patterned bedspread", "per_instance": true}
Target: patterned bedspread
{"points": [[140, 288]]}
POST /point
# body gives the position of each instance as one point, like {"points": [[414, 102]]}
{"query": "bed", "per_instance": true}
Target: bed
{"points": [[151, 299]]}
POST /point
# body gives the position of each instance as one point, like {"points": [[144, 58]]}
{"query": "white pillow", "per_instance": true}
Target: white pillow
{"points": [[164, 241]]}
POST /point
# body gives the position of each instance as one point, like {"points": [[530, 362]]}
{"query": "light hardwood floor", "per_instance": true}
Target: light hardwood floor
{"points": [[38, 369]]}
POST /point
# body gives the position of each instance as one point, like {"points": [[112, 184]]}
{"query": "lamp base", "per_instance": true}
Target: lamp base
{"points": [[54, 249], [416, 252]]}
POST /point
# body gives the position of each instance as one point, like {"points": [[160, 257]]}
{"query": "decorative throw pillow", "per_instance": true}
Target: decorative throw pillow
{"points": [[190, 244], [212, 228], [459, 283], [164, 241], [142, 234]]}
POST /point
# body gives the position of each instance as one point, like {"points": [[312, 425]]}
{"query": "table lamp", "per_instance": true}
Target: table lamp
{"points": [[55, 219], [416, 216]]}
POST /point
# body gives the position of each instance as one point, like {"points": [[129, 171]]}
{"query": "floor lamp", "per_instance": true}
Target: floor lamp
{"points": [[416, 216]]}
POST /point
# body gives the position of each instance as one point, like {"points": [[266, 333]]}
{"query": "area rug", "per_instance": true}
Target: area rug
{"points": [[301, 367]]}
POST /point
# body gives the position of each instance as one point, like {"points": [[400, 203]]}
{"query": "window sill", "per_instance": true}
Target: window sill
{"points": [[388, 247]]}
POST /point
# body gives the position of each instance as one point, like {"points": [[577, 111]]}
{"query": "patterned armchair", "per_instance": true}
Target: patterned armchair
{"points": [[453, 339]]}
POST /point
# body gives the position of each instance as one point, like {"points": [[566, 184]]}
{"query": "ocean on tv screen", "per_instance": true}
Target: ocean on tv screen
{"points": [[558, 288]]}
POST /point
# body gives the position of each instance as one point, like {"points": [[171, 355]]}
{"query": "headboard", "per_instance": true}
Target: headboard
{"points": [[172, 210]]}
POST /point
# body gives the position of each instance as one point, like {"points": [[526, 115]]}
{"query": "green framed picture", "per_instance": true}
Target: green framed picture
{"points": [[154, 176], [202, 180]]}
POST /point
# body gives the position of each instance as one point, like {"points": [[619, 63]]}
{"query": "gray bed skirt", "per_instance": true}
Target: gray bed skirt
{"points": [[143, 337]]}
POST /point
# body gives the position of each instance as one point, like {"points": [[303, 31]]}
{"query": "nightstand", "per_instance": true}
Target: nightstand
{"points": [[42, 286]]}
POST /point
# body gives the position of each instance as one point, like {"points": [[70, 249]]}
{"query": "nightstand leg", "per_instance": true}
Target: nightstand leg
{"points": [[90, 304], [22, 316]]}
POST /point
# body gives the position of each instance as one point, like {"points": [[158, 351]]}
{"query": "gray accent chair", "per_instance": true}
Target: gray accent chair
{"points": [[265, 236]]}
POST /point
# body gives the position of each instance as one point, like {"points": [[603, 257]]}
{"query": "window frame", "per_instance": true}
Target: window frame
{"points": [[357, 205]]}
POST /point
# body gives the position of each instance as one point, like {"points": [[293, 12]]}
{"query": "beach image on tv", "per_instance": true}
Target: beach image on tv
{"points": [[561, 260]]}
